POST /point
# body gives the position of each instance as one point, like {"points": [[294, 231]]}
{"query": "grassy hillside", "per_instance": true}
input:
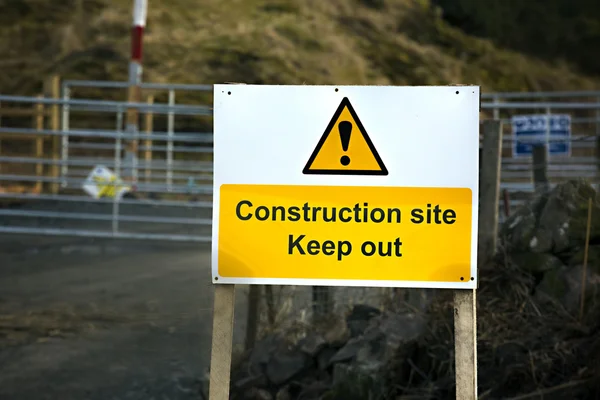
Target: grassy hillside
{"points": [[550, 29], [261, 41]]}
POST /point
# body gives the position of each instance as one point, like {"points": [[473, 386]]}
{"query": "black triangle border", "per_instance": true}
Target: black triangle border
{"points": [[345, 103]]}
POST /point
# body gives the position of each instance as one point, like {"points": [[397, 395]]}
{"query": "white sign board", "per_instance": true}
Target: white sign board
{"points": [[346, 185], [102, 182]]}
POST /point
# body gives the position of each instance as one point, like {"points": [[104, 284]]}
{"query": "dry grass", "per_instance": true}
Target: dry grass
{"points": [[26, 326], [525, 346], [263, 41], [20, 325]]}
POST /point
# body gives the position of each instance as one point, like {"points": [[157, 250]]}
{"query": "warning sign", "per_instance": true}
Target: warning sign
{"points": [[341, 232], [345, 147], [345, 185], [102, 182]]}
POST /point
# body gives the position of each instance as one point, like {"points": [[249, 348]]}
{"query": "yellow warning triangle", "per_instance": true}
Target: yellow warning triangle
{"points": [[345, 147]]}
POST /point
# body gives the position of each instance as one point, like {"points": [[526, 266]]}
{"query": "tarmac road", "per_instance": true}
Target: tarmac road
{"points": [[100, 319], [179, 220]]}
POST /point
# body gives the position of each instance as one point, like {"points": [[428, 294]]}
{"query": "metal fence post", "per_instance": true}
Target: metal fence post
{"points": [[170, 129], [65, 137], [548, 139], [148, 143], [55, 126], [496, 110], [39, 143], [104, 220], [118, 145]]}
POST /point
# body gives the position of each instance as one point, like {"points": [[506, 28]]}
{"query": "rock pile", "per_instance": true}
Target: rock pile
{"points": [[347, 361], [546, 237], [530, 337]]}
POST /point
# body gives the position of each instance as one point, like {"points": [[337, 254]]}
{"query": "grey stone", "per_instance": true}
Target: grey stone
{"points": [[359, 317], [324, 357], [574, 278], [593, 257], [263, 351], [337, 334], [565, 286], [381, 340], [401, 328], [349, 351], [283, 394], [312, 344], [363, 312], [519, 229], [351, 382], [553, 221], [284, 365], [536, 262], [314, 390], [357, 327], [553, 284], [258, 394], [250, 381], [552, 233]]}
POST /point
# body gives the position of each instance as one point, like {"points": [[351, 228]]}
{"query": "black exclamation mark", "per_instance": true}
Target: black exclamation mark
{"points": [[345, 128]]}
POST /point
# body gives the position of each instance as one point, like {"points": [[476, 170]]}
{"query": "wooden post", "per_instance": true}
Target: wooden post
{"points": [[222, 342], [55, 126], [39, 144], [540, 167], [465, 343], [465, 301], [253, 313], [149, 123], [598, 135], [506, 203], [0, 138], [489, 190], [585, 259]]}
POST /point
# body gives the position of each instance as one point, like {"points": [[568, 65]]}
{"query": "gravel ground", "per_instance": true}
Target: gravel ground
{"points": [[98, 319]]}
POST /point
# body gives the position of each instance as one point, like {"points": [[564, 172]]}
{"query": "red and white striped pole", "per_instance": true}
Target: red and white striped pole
{"points": [[140, 11]]}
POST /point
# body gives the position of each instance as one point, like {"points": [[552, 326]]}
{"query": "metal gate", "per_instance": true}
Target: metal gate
{"points": [[583, 107], [46, 168], [51, 145]]}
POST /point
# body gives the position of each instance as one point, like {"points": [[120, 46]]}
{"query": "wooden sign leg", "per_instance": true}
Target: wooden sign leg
{"points": [[222, 342], [465, 344]]}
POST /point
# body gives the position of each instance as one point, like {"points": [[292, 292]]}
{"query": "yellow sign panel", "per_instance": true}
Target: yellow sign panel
{"points": [[345, 233], [345, 147], [107, 187]]}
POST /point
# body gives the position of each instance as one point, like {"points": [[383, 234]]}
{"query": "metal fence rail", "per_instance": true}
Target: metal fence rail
{"points": [[173, 192], [172, 196], [584, 109]]}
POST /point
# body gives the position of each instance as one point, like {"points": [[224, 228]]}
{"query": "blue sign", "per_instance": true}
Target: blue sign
{"points": [[553, 130]]}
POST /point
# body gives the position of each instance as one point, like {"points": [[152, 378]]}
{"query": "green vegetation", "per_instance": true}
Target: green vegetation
{"points": [[551, 29], [265, 41]]}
